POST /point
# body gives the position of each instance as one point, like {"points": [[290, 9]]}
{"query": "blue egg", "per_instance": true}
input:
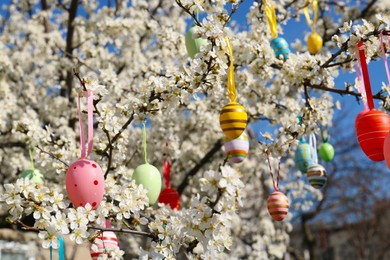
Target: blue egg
{"points": [[280, 46], [304, 156]]}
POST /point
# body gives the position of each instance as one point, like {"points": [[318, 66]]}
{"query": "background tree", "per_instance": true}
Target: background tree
{"points": [[132, 55]]}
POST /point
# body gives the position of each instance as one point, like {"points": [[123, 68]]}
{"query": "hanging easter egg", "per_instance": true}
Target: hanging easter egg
{"points": [[303, 156], [280, 46], [386, 150], [372, 127], [171, 197], [85, 183], [314, 43], [316, 174], [193, 45], [109, 241], [233, 120], [326, 151], [277, 204], [237, 149], [150, 178], [34, 175]]}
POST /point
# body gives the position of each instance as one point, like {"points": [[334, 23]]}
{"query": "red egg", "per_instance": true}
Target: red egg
{"points": [[171, 197], [85, 183], [372, 126], [277, 204]]}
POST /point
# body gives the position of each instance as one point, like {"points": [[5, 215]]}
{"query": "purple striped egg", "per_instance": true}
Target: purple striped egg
{"points": [[277, 204], [237, 149]]}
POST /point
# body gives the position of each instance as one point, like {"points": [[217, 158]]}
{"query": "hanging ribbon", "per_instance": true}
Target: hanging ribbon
{"points": [[362, 90], [167, 173], [230, 81], [275, 183], [61, 250], [30, 152], [144, 142], [313, 147], [271, 16], [311, 23], [384, 55], [366, 77], [89, 95]]}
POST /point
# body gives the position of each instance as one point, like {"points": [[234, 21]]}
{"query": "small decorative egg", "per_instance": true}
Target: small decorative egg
{"points": [[34, 175], [316, 174], [233, 120], [85, 183], [171, 197], [314, 43], [109, 241], [237, 149], [386, 150], [150, 178], [326, 152], [193, 45], [277, 204], [280, 46], [372, 127], [303, 156]]}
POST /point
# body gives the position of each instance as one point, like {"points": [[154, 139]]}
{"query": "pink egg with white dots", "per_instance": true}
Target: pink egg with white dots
{"points": [[85, 183]]}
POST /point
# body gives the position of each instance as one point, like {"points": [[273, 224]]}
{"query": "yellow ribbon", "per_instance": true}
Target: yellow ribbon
{"points": [[270, 12], [231, 86], [311, 23]]}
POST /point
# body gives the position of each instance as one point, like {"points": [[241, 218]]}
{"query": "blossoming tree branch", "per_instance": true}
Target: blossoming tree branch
{"points": [[135, 64]]}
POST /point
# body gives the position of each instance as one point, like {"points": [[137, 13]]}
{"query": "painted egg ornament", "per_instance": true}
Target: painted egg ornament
{"points": [[109, 241], [233, 120], [280, 46], [150, 178], [34, 175], [303, 156], [372, 127], [314, 43], [237, 149], [170, 197], [193, 45], [277, 204], [85, 183], [316, 174], [326, 151], [386, 150]]}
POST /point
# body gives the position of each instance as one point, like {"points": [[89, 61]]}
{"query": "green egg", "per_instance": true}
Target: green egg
{"points": [[150, 177], [34, 175], [193, 45], [326, 152]]}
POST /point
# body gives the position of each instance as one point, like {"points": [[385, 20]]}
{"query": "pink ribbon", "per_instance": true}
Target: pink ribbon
{"points": [[89, 95], [362, 90], [366, 77], [384, 54]]}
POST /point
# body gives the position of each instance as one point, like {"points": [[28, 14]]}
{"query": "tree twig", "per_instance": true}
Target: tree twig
{"points": [[125, 230], [216, 147], [53, 156]]}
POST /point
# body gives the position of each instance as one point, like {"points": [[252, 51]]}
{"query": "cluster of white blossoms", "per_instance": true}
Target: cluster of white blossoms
{"points": [[133, 57]]}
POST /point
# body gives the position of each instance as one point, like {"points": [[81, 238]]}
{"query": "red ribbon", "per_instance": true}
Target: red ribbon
{"points": [[366, 77], [167, 173]]}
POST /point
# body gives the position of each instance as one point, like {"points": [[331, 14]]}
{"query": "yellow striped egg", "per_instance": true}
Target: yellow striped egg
{"points": [[233, 120], [316, 174]]}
